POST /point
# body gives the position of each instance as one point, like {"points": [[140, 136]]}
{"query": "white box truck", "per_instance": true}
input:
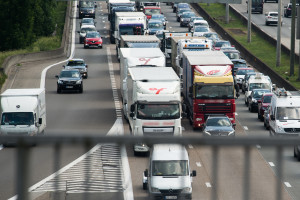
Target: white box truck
{"points": [[23, 112], [138, 57], [153, 103], [169, 175]]}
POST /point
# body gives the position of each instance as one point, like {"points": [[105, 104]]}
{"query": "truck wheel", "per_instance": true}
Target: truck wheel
{"points": [[295, 155]]}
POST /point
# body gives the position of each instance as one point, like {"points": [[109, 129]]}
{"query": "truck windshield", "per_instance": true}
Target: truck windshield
{"points": [[288, 113], [170, 168], [259, 86], [142, 45], [131, 29], [214, 92], [152, 11], [158, 111], [17, 118]]}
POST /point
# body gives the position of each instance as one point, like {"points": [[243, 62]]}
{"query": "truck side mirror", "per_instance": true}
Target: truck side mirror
{"points": [[132, 108], [146, 173], [272, 117], [194, 173], [40, 120]]}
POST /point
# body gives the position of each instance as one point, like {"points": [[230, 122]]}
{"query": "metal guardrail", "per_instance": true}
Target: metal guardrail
{"points": [[23, 144]]}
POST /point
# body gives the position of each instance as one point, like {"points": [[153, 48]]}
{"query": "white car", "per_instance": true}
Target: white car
{"points": [[272, 18], [200, 30], [83, 30]]}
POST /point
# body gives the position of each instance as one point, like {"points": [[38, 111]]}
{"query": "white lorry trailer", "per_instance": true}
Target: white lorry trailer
{"points": [[23, 112], [154, 103], [138, 57]]}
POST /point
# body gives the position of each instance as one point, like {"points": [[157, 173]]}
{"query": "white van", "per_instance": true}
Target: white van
{"points": [[169, 175], [284, 113]]}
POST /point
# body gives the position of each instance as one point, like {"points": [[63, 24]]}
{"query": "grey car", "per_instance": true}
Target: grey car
{"points": [[186, 17], [218, 126], [79, 64], [69, 79]]}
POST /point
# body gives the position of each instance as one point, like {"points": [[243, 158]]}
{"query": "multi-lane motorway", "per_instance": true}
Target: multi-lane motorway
{"points": [[96, 111]]}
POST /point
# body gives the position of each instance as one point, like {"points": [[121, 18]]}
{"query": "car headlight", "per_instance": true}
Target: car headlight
{"points": [[187, 189], [153, 189], [59, 82], [206, 132], [280, 129], [78, 82], [181, 20], [231, 133], [254, 100]]}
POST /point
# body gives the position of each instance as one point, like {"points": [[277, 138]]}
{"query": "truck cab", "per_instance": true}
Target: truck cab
{"points": [[169, 175]]}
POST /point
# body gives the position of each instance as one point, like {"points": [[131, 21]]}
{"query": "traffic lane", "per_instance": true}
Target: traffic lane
{"points": [[172, 24]]}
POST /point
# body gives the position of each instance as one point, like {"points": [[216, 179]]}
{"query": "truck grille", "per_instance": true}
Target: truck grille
{"points": [[215, 107], [292, 130]]}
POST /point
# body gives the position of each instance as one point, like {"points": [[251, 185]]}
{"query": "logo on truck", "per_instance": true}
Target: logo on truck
{"points": [[158, 90], [212, 72], [146, 60]]}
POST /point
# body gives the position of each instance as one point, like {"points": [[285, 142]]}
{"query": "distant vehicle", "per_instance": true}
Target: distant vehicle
{"points": [[266, 118], [257, 6], [238, 63], [149, 11], [86, 9], [221, 43], [272, 18], [87, 21], [232, 54], [218, 126], [255, 97], [160, 17], [245, 81], [92, 39], [263, 105], [69, 79], [79, 64], [240, 74], [180, 6], [190, 25], [83, 30], [154, 26], [287, 12], [213, 36], [181, 11], [186, 17], [200, 30]]}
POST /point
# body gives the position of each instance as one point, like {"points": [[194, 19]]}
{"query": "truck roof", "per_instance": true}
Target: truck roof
{"points": [[169, 152], [207, 58], [130, 14], [153, 74], [142, 52], [140, 38], [22, 92]]}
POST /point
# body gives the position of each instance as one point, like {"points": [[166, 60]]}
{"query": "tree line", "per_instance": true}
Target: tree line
{"points": [[23, 21]]}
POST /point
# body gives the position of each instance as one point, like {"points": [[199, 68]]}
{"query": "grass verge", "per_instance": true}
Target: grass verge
{"points": [[258, 46]]}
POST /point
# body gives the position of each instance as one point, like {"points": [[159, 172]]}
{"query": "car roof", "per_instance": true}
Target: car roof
{"points": [[268, 94], [155, 21], [76, 59], [88, 26]]}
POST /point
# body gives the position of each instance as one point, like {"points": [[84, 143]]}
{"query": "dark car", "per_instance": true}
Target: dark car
{"points": [[69, 79], [154, 26], [78, 64], [232, 54], [287, 12], [88, 21], [186, 17], [263, 104], [86, 9], [238, 63], [161, 18], [240, 74], [92, 39], [254, 97], [180, 6], [218, 126], [181, 11]]}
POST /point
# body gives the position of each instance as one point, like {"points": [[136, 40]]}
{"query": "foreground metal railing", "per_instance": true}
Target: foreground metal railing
{"points": [[23, 144]]}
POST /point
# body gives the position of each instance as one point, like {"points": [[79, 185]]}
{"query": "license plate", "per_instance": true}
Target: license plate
{"points": [[69, 86], [171, 197]]}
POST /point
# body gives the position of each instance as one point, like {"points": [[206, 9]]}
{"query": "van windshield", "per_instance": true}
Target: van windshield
{"points": [[259, 86], [17, 118], [288, 113], [170, 168]]}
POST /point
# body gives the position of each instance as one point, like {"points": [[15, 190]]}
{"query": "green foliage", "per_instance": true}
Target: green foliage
{"points": [[258, 46]]}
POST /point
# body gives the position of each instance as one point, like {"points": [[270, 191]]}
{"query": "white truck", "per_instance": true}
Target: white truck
{"points": [[138, 57], [153, 103], [23, 112], [129, 23], [284, 113], [169, 175]]}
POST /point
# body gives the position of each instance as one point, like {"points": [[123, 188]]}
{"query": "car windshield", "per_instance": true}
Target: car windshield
{"points": [[239, 64], [75, 63], [142, 45], [93, 35], [84, 30], [183, 10], [218, 122], [247, 76], [158, 17], [201, 29], [188, 15], [87, 4], [158, 111], [258, 94], [267, 99], [69, 74], [170, 168], [152, 11], [214, 91], [232, 55], [288, 113], [253, 86], [17, 118], [155, 25], [244, 71], [87, 21], [223, 44]]}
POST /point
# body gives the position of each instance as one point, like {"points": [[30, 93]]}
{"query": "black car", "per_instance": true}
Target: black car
{"points": [[86, 9], [238, 63], [69, 79], [79, 64], [218, 126], [255, 95], [287, 12]]}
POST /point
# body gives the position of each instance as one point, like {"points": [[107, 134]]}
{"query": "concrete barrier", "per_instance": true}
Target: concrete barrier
{"points": [[42, 55], [247, 55]]}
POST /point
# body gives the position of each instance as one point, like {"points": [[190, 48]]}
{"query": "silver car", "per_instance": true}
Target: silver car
{"points": [[218, 126]]}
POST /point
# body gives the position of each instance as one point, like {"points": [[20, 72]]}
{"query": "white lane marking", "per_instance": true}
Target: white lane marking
{"points": [[287, 184], [246, 128], [271, 164], [170, 27], [208, 184], [258, 146], [190, 146], [198, 164]]}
